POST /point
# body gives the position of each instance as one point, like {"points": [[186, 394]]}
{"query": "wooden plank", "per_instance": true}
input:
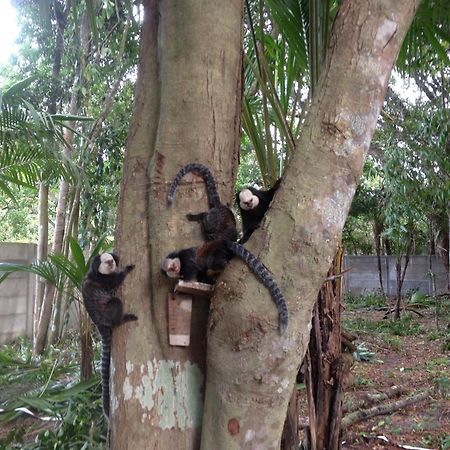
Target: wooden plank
{"points": [[194, 288], [180, 313]]}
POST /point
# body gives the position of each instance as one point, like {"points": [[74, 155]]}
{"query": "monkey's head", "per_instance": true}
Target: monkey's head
{"points": [[248, 200], [171, 267], [106, 263]]}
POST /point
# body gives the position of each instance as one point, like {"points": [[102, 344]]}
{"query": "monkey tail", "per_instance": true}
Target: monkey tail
{"points": [[205, 173], [261, 271], [106, 335]]}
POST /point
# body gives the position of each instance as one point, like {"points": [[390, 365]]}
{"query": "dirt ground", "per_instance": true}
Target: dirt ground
{"points": [[414, 363]]}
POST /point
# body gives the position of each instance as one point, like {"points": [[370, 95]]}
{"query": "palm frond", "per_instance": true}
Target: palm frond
{"points": [[44, 269]]}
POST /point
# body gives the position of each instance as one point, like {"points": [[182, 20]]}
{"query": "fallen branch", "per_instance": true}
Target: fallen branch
{"points": [[375, 398], [404, 309], [379, 410]]}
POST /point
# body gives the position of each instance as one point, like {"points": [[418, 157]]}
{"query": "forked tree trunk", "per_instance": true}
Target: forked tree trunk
{"points": [[187, 107]]}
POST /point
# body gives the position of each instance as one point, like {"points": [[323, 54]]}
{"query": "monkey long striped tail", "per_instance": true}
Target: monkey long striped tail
{"points": [[261, 271], [213, 195], [105, 365]]}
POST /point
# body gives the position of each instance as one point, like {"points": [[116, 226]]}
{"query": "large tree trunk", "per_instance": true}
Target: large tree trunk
{"points": [[251, 369], [187, 107]]}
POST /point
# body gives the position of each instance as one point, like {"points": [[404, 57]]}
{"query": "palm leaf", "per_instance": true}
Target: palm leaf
{"points": [[77, 255], [44, 269]]}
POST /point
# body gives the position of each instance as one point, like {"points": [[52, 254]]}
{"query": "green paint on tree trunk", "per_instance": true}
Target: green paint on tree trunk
{"points": [[169, 392]]}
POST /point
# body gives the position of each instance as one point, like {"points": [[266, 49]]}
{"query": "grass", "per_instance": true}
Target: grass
{"points": [[372, 300], [406, 326], [44, 404]]}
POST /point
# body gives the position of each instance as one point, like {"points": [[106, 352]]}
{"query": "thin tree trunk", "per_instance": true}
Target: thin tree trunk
{"points": [[42, 253], [61, 210], [290, 439], [43, 300], [400, 275], [324, 377], [377, 229]]}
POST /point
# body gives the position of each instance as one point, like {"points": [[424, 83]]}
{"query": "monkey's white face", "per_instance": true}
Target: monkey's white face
{"points": [[107, 264], [172, 267], [247, 200]]}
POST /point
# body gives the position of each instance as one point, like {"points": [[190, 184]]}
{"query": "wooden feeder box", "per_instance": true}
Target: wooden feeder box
{"points": [[180, 309]]}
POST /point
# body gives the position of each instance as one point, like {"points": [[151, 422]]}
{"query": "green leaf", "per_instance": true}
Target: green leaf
{"points": [[19, 87], [78, 256]]}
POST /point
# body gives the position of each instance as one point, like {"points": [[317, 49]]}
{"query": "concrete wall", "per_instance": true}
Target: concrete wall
{"points": [[363, 274], [17, 293]]}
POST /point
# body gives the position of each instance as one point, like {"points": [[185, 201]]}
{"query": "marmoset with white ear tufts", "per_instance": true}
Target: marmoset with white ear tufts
{"points": [[253, 204], [104, 308]]}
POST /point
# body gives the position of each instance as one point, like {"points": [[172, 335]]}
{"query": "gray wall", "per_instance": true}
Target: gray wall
{"points": [[17, 293], [363, 274]]}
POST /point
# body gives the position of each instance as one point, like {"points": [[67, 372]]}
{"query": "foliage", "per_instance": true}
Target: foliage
{"points": [[98, 147], [28, 138], [47, 389], [59, 269], [362, 353], [19, 217]]}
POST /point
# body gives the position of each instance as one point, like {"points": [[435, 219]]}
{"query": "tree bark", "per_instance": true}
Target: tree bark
{"points": [[251, 369], [187, 108]]}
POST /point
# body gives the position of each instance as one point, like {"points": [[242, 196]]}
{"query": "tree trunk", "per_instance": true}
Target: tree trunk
{"points": [[400, 276], [377, 230], [42, 253], [251, 369], [187, 106], [61, 210], [43, 300], [324, 376], [289, 438]]}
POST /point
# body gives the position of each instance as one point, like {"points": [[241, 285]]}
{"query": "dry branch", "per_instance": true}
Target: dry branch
{"points": [[374, 398], [379, 410]]}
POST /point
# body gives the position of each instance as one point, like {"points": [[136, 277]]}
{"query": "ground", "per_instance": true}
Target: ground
{"points": [[411, 354]]}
